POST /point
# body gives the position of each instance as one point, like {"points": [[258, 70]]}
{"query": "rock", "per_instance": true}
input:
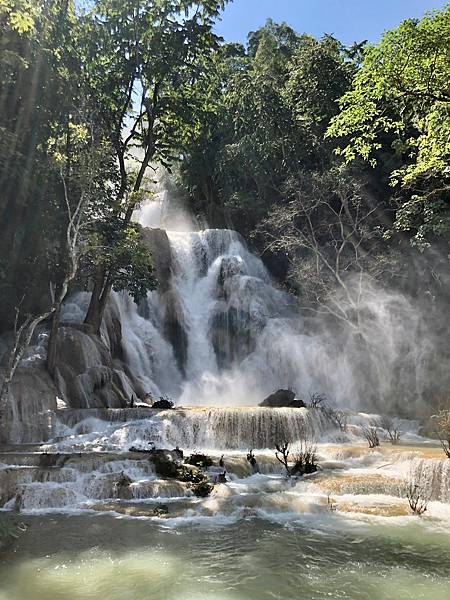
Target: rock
{"points": [[122, 487], [163, 404], [148, 450], [202, 489], [30, 414], [199, 460], [282, 398], [190, 474], [85, 373], [161, 510], [221, 477], [157, 241], [179, 453], [164, 463], [300, 470], [297, 403]]}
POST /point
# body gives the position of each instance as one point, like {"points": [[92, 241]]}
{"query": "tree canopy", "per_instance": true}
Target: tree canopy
{"points": [[399, 104]]}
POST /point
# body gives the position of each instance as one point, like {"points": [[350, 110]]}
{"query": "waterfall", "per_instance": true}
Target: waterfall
{"points": [[218, 332], [220, 315]]}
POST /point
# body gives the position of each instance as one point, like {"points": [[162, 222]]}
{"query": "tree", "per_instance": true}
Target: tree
{"points": [[331, 241], [370, 433], [25, 325], [142, 58], [391, 428], [265, 111], [38, 89], [398, 110], [442, 425]]}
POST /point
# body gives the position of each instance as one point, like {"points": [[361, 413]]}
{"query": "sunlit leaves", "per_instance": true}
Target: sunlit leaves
{"points": [[400, 103], [19, 15]]}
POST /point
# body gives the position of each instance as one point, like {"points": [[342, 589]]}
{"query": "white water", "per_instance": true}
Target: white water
{"points": [[239, 338]]}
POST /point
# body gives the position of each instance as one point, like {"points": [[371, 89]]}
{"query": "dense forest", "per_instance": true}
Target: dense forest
{"points": [[332, 160]]}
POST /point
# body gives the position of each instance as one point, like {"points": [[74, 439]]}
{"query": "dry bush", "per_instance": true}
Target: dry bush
{"points": [[388, 424], [417, 494], [370, 433], [442, 427], [305, 458], [317, 400], [337, 417], [341, 418], [282, 455]]}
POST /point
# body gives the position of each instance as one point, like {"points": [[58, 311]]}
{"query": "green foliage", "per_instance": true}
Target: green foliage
{"points": [[399, 104], [88, 99], [141, 64], [19, 15], [129, 262], [264, 111], [39, 86]]}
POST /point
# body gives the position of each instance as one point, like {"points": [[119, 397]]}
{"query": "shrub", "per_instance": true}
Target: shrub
{"points": [[282, 456], [317, 400], [442, 427], [202, 489], [371, 434], [392, 431], [417, 494], [305, 458]]}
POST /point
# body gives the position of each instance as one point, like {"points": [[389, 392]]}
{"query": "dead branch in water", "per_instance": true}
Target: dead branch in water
{"points": [[417, 495], [282, 455]]}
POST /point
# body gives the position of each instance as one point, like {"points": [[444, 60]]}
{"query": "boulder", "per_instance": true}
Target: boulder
{"points": [[163, 404], [199, 460], [165, 464], [202, 489], [282, 398]]}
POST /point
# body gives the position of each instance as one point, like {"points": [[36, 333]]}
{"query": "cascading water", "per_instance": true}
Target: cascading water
{"points": [[225, 344], [224, 301], [217, 332]]}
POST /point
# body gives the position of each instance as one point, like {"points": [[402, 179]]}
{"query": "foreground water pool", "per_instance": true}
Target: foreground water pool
{"points": [[86, 557]]}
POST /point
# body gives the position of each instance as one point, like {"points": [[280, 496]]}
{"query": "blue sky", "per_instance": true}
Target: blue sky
{"points": [[348, 20]]}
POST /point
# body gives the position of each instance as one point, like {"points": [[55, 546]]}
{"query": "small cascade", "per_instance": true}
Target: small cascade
{"points": [[433, 477], [213, 428]]}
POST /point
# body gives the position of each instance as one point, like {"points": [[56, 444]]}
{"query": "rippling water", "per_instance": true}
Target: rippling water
{"points": [[91, 558]]}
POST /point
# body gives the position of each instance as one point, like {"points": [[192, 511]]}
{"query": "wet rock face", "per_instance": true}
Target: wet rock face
{"points": [[85, 373], [158, 244], [175, 328], [281, 399], [199, 460], [165, 463], [31, 411]]}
